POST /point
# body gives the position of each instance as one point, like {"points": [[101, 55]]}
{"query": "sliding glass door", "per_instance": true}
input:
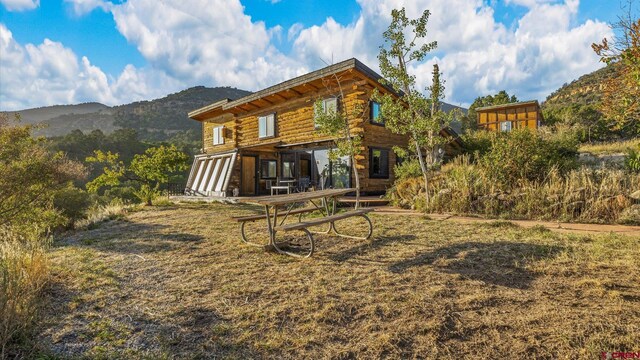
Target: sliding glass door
{"points": [[315, 164]]}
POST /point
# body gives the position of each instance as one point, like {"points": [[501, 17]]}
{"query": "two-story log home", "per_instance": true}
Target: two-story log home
{"points": [[269, 136]]}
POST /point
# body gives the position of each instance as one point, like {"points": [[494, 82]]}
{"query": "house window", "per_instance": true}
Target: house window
{"points": [[218, 135], [376, 116], [328, 105], [505, 126], [268, 169], [267, 126], [288, 166], [378, 163]]}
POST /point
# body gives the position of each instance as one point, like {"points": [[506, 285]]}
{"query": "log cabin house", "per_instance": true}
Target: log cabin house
{"points": [[526, 114], [253, 142]]}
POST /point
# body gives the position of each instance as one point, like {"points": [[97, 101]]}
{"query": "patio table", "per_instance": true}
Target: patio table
{"points": [[322, 200]]}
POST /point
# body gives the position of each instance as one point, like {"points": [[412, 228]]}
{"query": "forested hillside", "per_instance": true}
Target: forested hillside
{"points": [[578, 104], [585, 90], [155, 120]]}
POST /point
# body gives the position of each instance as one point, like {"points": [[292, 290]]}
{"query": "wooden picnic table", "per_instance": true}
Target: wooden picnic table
{"points": [[327, 206]]}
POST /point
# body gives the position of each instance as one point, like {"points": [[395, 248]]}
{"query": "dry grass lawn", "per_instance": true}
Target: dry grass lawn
{"points": [[175, 282], [608, 148]]}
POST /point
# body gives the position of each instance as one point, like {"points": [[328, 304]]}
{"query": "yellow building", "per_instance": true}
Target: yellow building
{"points": [[526, 114]]}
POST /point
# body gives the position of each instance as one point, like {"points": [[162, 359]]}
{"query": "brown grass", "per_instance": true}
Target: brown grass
{"points": [[608, 148], [583, 195], [175, 282], [23, 273]]}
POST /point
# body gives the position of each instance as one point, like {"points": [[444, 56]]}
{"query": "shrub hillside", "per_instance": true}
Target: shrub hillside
{"points": [[526, 175], [30, 178]]}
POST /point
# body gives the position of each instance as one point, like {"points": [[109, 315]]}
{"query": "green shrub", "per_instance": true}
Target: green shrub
{"points": [[478, 143], [126, 193], [524, 154], [72, 203], [408, 169], [632, 160]]}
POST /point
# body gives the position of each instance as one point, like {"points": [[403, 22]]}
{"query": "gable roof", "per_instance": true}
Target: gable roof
{"points": [[508, 106], [296, 86]]}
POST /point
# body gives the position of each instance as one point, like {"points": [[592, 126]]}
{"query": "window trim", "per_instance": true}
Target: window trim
{"points": [[371, 120], [218, 140], [378, 176], [262, 175], [266, 117]]}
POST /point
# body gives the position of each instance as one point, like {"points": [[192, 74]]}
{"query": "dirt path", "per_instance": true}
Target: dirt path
{"points": [[554, 226]]}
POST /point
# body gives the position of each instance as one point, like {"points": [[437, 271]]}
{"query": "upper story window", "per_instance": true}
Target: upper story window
{"points": [[218, 135], [329, 105], [267, 126], [505, 126], [376, 115]]}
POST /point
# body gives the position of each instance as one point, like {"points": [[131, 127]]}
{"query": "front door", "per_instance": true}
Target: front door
{"points": [[248, 184]]}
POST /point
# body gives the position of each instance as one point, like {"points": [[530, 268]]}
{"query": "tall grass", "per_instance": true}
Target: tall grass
{"points": [[607, 148], [583, 195], [101, 213], [23, 273]]}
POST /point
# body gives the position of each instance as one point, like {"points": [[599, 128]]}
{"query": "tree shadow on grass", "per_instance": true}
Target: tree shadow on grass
{"points": [[369, 246], [501, 263], [195, 332], [124, 330], [134, 238]]}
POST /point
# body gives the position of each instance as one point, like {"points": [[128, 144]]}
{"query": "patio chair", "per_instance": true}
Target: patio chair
{"points": [[304, 183]]}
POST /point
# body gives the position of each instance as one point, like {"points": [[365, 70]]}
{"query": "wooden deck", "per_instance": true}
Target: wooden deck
{"points": [[368, 201]]}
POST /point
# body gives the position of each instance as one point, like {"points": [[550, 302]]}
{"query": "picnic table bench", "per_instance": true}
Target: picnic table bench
{"points": [[274, 204]]}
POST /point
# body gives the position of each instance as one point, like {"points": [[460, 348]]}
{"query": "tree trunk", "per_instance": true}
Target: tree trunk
{"points": [[423, 168], [357, 178]]}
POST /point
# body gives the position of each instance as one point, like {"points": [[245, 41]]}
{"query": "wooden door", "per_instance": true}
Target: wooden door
{"points": [[248, 185]]}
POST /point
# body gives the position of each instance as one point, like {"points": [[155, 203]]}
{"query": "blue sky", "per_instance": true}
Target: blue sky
{"points": [[67, 51]]}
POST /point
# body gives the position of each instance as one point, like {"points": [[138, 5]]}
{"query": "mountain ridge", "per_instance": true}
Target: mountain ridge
{"points": [[157, 120], [585, 90]]}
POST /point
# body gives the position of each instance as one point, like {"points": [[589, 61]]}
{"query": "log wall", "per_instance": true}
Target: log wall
{"points": [[295, 124], [526, 116]]}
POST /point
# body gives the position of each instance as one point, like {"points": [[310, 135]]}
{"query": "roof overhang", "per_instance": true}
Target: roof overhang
{"points": [[290, 89], [508, 106]]}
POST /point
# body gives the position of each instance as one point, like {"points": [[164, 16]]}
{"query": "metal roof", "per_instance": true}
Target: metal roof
{"points": [[352, 63], [507, 106]]}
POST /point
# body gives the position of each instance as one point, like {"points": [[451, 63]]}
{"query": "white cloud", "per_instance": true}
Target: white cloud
{"points": [[210, 42], [50, 74], [20, 5], [294, 30], [82, 7], [477, 54], [214, 43]]}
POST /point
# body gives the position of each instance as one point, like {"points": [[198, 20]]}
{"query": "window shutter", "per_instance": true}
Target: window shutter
{"points": [[218, 135], [262, 127], [271, 124]]}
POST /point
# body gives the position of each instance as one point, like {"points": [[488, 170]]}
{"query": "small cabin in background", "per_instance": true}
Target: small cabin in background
{"points": [[526, 114]]}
